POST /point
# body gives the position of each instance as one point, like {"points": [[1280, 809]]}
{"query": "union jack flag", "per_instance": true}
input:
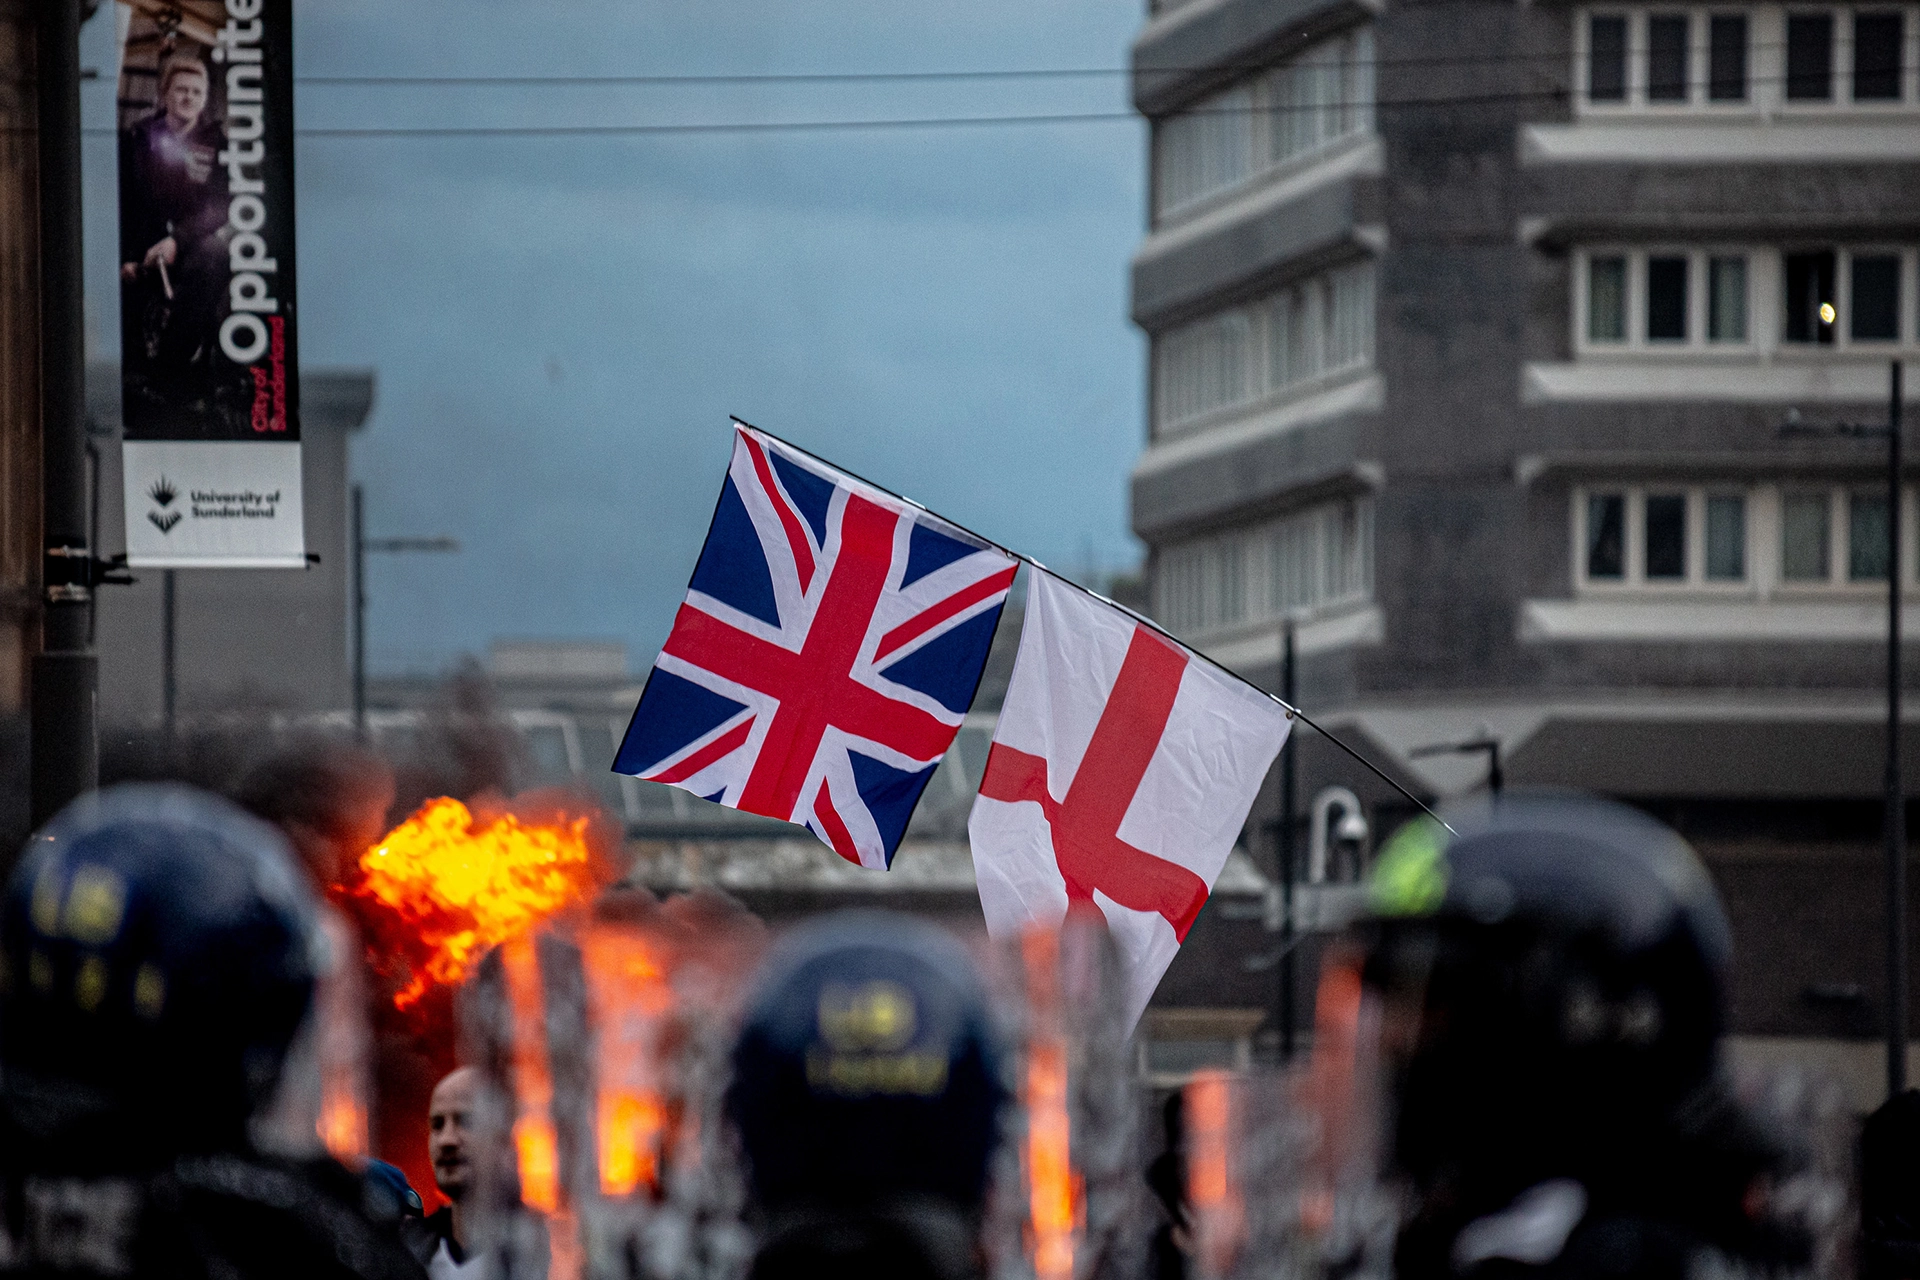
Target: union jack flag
{"points": [[830, 643]]}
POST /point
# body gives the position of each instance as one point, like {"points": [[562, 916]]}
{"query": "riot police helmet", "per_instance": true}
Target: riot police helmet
{"points": [[867, 1094], [1553, 974], [159, 954]]}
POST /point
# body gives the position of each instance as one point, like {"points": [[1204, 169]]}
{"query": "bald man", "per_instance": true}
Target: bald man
{"points": [[441, 1241]]}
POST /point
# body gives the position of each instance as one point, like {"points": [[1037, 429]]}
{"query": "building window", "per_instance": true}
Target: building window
{"points": [[1607, 299], [1700, 299], [1809, 57], [1633, 298], [1805, 531], [1607, 59], [1665, 536], [1205, 150], [1810, 311], [1877, 44], [1717, 539], [1726, 299], [1727, 58], [1315, 328], [1607, 536], [1870, 310], [1662, 537], [1866, 537], [1726, 537], [1717, 57], [1874, 312], [1666, 299], [1225, 141], [1667, 57], [1313, 560]]}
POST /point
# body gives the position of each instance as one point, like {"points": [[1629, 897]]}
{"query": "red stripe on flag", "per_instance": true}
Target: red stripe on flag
{"points": [[837, 833], [721, 746], [796, 532], [1012, 776], [1084, 825], [914, 628]]}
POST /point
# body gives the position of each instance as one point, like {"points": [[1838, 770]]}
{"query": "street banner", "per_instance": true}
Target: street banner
{"points": [[831, 641], [1121, 772], [209, 375]]}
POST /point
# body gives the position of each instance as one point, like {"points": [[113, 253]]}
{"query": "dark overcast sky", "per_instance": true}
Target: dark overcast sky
{"points": [[560, 327]]}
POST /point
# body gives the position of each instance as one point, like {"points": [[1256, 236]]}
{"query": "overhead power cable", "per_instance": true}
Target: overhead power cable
{"points": [[1380, 106], [889, 77], [881, 123]]}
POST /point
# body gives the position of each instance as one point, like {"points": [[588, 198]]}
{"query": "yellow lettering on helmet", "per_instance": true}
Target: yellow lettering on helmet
{"points": [[871, 1015], [95, 902], [149, 991], [90, 984], [46, 899]]}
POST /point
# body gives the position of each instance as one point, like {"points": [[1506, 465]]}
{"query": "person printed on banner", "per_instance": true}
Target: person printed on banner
{"points": [[173, 252]]}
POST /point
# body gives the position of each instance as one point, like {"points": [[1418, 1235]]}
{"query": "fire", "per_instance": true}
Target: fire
{"points": [[460, 886], [533, 1132], [626, 995], [1053, 1188], [342, 1046], [1211, 1187], [535, 1139]]}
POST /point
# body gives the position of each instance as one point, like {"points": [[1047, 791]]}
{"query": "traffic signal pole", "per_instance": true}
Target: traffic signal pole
{"points": [[64, 676]]}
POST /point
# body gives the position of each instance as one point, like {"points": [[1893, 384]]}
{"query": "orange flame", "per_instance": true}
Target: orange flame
{"points": [[626, 995], [535, 1141], [1218, 1211], [1053, 1188], [461, 887], [342, 1045], [1334, 1075], [533, 1133]]}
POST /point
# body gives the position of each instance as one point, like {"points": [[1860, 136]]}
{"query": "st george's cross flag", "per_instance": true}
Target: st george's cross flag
{"points": [[1120, 775], [830, 643]]}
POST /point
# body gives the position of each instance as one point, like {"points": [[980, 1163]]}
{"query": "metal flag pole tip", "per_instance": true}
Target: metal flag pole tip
{"points": [[1292, 711]]}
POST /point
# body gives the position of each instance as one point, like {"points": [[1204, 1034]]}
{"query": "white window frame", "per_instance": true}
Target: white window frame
{"points": [[1843, 339], [1766, 303], [1260, 388], [1634, 580], [1636, 342], [1190, 576], [1765, 531], [1355, 65], [1766, 61]]}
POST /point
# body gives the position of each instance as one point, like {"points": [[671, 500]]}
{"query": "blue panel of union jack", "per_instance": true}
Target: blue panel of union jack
{"points": [[830, 643]]}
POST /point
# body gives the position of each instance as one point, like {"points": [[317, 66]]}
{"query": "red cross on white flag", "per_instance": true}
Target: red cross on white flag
{"points": [[1121, 773]]}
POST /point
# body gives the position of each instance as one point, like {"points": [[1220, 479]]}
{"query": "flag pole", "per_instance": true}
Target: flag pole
{"points": [[1293, 712]]}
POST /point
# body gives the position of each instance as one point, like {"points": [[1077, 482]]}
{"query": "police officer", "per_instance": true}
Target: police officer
{"points": [[1552, 982], [159, 955], [867, 1095]]}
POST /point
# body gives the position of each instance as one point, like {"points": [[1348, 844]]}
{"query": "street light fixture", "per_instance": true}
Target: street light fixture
{"points": [[1482, 742], [362, 544], [1894, 823]]}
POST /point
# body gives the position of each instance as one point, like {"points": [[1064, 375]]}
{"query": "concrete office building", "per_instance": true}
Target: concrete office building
{"points": [[1474, 327]]}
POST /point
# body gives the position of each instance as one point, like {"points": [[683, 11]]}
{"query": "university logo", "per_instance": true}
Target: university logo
{"points": [[164, 493]]}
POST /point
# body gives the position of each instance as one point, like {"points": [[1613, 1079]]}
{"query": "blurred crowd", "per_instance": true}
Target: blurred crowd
{"points": [[1516, 1070]]}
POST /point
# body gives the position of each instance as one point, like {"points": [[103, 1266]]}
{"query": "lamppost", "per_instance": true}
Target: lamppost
{"points": [[361, 545], [1894, 822]]}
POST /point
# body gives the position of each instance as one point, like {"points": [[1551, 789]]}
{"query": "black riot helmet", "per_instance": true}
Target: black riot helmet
{"points": [[1552, 978], [159, 956], [867, 1093]]}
